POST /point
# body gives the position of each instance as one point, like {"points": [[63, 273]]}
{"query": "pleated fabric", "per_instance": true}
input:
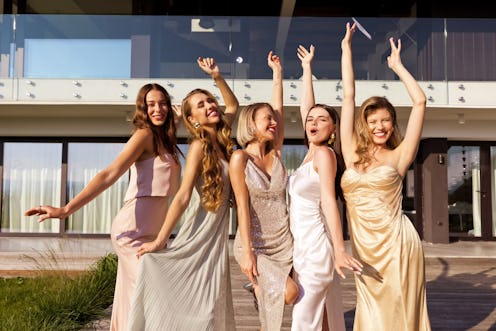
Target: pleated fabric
{"points": [[151, 183], [271, 238], [313, 256], [391, 293], [187, 286]]}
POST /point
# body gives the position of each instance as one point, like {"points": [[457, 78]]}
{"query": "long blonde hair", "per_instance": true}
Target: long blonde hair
{"points": [[363, 139], [211, 189]]}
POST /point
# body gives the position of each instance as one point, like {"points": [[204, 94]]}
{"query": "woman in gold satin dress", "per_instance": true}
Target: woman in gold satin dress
{"points": [[391, 293]]}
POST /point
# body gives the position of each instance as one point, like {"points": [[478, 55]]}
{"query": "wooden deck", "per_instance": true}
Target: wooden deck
{"points": [[461, 295]]}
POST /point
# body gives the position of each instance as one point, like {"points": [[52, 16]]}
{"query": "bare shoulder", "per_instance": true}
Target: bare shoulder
{"points": [[239, 157], [195, 147], [324, 152]]}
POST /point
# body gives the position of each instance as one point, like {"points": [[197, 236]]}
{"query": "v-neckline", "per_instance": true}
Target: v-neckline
{"points": [[267, 176]]}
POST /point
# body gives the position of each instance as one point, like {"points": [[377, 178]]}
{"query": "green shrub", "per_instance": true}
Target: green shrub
{"points": [[57, 301]]}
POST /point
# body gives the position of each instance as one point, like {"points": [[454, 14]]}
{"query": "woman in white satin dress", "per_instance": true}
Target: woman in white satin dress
{"points": [[315, 221]]}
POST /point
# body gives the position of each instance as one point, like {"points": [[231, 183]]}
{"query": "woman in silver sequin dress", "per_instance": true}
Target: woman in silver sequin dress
{"points": [[263, 246]]}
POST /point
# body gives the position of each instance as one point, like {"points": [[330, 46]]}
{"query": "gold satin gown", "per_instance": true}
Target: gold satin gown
{"points": [[391, 293]]}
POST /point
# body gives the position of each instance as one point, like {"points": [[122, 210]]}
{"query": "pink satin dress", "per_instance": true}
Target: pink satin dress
{"points": [[151, 183]]}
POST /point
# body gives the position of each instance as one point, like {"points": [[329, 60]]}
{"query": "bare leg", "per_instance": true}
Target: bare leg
{"points": [[291, 293]]}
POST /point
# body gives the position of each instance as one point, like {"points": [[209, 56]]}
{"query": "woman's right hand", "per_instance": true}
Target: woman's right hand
{"points": [[150, 247], [249, 266], [46, 212]]}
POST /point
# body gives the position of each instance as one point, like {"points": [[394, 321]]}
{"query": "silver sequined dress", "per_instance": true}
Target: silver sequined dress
{"points": [[271, 239]]}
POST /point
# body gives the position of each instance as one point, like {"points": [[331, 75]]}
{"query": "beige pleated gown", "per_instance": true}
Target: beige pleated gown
{"points": [[187, 286]]}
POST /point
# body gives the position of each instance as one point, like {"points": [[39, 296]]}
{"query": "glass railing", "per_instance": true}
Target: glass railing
{"points": [[101, 47]]}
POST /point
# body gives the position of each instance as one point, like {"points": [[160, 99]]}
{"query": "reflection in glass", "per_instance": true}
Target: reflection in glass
{"points": [[31, 177], [85, 160], [493, 189], [464, 207]]}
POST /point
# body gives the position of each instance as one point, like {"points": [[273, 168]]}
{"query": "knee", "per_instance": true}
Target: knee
{"points": [[291, 293]]}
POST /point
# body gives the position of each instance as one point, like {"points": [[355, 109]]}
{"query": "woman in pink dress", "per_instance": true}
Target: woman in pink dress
{"points": [[152, 156]]}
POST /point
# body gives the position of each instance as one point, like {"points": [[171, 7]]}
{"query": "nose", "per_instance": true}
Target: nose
{"points": [[156, 107]]}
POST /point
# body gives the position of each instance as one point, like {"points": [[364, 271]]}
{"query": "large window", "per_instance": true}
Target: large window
{"points": [[464, 203], [84, 161], [493, 189], [34, 174], [31, 176], [82, 58]]}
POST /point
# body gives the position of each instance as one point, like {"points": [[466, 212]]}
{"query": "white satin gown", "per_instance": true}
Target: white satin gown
{"points": [[313, 256]]}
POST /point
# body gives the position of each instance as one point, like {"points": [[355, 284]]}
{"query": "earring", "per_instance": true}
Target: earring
{"points": [[331, 139], [251, 131], [196, 125]]}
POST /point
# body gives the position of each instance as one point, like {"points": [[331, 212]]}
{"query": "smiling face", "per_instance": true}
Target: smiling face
{"points": [[204, 110], [265, 124], [319, 126], [380, 125], [156, 107]]}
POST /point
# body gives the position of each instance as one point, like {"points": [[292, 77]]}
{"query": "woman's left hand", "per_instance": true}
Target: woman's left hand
{"points": [[344, 260]]}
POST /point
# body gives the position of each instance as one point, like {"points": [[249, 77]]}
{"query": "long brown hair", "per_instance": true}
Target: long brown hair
{"points": [[335, 145], [162, 135], [211, 170], [363, 139]]}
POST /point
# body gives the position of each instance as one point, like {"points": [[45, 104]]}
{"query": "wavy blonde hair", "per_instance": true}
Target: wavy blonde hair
{"points": [[363, 138], [211, 173]]}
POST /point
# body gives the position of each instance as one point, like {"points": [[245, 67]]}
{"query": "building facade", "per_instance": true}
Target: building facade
{"points": [[69, 76]]}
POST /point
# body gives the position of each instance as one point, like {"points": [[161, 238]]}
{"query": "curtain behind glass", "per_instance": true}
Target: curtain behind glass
{"points": [[493, 188], [85, 160], [32, 177], [292, 156]]}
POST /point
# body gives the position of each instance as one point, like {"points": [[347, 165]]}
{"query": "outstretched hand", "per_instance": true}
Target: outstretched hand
{"points": [[305, 56], [45, 212], [394, 60], [208, 65]]}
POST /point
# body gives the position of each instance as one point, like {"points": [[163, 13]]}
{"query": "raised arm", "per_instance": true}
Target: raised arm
{"points": [[408, 147], [210, 67], [307, 94], [274, 63], [237, 166], [180, 201], [133, 149], [348, 106]]}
